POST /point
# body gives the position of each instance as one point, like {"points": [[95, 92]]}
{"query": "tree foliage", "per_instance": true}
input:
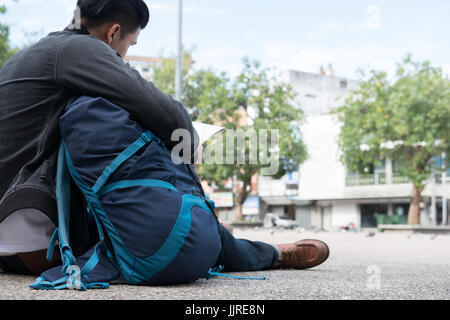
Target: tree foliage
{"points": [[407, 119], [6, 51]]}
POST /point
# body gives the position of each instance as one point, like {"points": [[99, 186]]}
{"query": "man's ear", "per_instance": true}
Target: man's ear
{"points": [[112, 32]]}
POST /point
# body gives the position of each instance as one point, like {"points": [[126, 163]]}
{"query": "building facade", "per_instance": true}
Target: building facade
{"points": [[145, 65], [324, 194]]}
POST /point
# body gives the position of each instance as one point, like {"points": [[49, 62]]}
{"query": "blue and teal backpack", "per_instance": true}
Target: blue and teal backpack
{"points": [[155, 225]]}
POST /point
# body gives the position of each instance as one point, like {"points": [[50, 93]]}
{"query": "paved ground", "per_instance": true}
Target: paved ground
{"points": [[385, 266]]}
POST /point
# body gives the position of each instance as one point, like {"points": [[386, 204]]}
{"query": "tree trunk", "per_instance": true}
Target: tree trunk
{"points": [[239, 215], [241, 196], [414, 207]]}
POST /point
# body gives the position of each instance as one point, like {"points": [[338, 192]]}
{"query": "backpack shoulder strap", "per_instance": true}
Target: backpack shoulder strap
{"points": [[63, 204], [69, 266]]}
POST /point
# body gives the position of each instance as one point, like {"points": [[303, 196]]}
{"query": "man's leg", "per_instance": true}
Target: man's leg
{"points": [[245, 255], [29, 263]]}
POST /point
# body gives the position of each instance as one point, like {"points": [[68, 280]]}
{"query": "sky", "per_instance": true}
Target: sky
{"points": [[283, 34]]}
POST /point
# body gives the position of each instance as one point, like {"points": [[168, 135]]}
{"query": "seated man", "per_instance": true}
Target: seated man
{"points": [[35, 85]]}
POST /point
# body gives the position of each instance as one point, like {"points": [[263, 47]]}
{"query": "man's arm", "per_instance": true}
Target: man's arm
{"points": [[89, 67]]}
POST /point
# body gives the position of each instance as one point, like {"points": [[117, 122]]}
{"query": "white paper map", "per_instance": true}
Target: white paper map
{"points": [[206, 131]]}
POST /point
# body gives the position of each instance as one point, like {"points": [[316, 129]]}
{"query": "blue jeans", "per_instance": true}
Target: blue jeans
{"points": [[245, 255]]}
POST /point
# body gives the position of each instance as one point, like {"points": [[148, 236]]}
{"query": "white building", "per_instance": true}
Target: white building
{"points": [[327, 195], [145, 65]]}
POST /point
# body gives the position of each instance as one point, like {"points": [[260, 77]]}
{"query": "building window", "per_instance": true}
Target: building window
{"points": [[343, 84]]}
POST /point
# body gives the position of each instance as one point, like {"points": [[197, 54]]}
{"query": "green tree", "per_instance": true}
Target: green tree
{"points": [[164, 73], [6, 51], [407, 120], [257, 101]]}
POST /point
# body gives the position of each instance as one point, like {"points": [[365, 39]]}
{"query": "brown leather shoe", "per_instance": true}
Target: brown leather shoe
{"points": [[303, 254]]}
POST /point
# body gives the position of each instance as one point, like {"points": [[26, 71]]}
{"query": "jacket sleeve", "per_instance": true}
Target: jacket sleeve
{"points": [[89, 67]]}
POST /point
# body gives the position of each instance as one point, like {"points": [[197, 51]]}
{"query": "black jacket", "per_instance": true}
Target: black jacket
{"points": [[35, 85]]}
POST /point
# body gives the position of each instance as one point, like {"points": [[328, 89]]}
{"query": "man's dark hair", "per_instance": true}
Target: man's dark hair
{"points": [[130, 14]]}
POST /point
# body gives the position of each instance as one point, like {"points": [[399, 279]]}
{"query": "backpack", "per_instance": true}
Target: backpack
{"points": [[155, 225]]}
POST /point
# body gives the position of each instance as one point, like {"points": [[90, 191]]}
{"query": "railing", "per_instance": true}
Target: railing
{"points": [[399, 179], [373, 179], [365, 179], [438, 178]]}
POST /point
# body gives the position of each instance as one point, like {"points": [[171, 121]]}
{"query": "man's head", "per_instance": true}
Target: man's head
{"points": [[118, 23]]}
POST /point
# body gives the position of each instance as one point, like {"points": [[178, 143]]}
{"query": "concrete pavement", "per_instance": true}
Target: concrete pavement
{"points": [[384, 266]]}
